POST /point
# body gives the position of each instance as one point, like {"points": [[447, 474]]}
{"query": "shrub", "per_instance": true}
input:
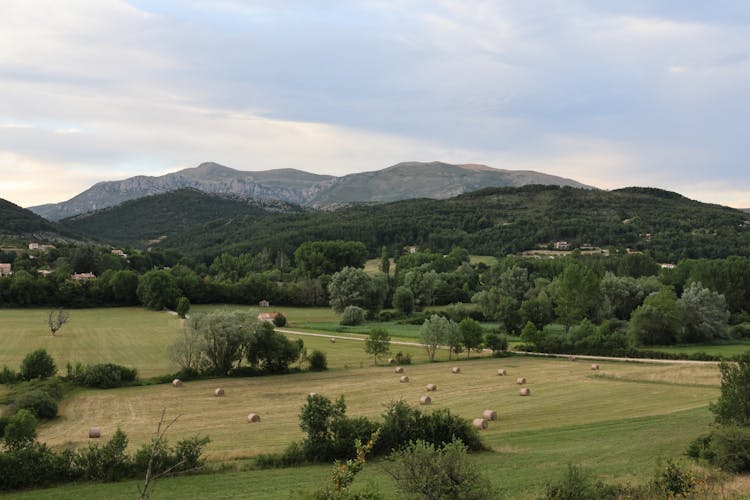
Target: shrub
{"points": [[40, 403], [106, 376], [105, 463], [426, 470], [8, 376], [186, 455], [279, 320], [183, 307], [579, 484], [497, 342], [37, 364], [318, 361], [353, 316], [730, 449], [673, 482], [403, 359], [293, 455], [34, 465], [20, 430]]}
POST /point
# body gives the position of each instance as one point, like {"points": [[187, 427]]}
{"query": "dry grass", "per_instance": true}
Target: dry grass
{"points": [[564, 394]]}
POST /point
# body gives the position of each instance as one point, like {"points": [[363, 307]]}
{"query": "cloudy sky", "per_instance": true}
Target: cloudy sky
{"points": [[609, 93]]}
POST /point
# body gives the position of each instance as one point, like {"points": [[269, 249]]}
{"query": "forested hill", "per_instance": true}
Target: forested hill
{"points": [[494, 221], [18, 222], [147, 221]]}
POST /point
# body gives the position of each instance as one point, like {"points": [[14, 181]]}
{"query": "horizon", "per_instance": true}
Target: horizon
{"points": [[607, 95]]}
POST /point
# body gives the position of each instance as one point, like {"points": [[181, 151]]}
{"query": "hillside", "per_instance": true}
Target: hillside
{"points": [[402, 181], [494, 221], [18, 222], [146, 221]]}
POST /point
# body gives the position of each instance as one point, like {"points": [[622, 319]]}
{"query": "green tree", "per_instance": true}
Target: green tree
{"points": [[403, 300], [225, 336], [538, 310], [37, 364], [270, 351], [124, 285], [20, 430], [733, 405], [509, 314], [378, 343], [704, 314], [350, 287], [435, 331], [423, 470], [576, 293], [183, 307], [315, 258], [472, 334], [157, 290], [657, 320]]}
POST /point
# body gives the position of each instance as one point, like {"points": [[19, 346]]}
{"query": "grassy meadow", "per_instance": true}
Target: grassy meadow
{"points": [[620, 421]]}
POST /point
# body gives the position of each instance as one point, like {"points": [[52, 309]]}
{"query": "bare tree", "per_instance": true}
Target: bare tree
{"points": [[158, 443], [56, 320]]}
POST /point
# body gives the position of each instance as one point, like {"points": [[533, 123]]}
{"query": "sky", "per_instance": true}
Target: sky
{"points": [[611, 94]]}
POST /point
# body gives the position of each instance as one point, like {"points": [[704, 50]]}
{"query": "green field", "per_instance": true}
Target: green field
{"points": [[619, 422], [718, 348]]}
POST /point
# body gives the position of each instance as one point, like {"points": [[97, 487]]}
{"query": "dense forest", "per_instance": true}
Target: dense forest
{"points": [[495, 221]]}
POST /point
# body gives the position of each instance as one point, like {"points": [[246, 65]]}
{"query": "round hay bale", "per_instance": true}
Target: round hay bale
{"points": [[404, 379], [399, 369], [572, 358], [253, 417], [218, 392], [312, 394], [521, 380], [490, 415], [501, 371], [479, 423], [333, 340], [456, 369], [524, 391], [425, 400], [594, 366], [391, 361], [177, 383], [431, 387], [95, 433]]}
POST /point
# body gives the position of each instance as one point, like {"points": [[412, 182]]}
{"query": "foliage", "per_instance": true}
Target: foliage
{"points": [[106, 376], [378, 343], [438, 472], [472, 334], [224, 335], [403, 359], [352, 287], [704, 314], [37, 364], [183, 307], [435, 331], [279, 320], [187, 350], [403, 300], [20, 431], [269, 351], [672, 481], [657, 320], [497, 342], [158, 290], [733, 405], [344, 472], [318, 361], [576, 293], [353, 316], [107, 462], [314, 258], [56, 320], [579, 484]]}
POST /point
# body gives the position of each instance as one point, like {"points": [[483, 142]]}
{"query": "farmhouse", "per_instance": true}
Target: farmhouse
{"points": [[269, 316], [83, 276], [562, 245], [264, 303], [6, 269]]}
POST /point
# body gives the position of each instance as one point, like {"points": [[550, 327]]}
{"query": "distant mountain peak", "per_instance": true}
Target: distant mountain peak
{"points": [[411, 179]]}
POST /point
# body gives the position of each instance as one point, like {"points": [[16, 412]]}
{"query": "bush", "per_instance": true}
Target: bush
{"points": [[36, 466], [292, 455], [579, 484], [8, 376], [673, 482], [426, 470], [318, 361], [403, 359], [353, 316], [739, 331], [106, 376], [40, 403], [20, 430], [279, 320], [730, 449], [105, 463], [183, 307], [37, 364], [185, 456], [497, 342]]}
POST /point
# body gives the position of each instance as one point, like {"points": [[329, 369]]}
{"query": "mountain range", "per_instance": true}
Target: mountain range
{"points": [[406, 180]]}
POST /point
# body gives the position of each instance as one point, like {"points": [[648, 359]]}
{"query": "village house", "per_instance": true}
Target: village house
{"points": [[6, 269], [120, 253], [562, 245], [83, 276], [264, 303], [269, 316], [42, 248]]}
